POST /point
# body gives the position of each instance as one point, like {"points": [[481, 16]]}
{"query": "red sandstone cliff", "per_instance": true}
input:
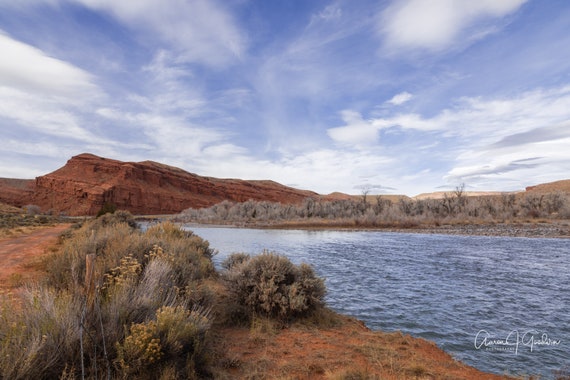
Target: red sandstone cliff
{"points": [[16, 192], [87, 182]]}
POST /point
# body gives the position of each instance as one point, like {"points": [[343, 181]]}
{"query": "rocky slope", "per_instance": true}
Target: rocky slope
{"points": [[16, 192], [87, 182]]}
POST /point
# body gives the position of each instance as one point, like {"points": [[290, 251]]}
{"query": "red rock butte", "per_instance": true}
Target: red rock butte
{"points": [[87, 182]]}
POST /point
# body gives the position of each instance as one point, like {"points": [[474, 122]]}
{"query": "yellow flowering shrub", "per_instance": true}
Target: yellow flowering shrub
{"points": [[140, 349]]}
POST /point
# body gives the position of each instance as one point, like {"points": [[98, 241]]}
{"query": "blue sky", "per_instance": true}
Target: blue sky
{"points": [[401, 97]]}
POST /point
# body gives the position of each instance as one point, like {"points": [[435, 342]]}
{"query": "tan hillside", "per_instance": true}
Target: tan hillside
{"points": [[442, 194], [551, 187], [369, 197]]}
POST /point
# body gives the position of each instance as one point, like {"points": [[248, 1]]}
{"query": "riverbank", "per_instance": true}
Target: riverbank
{"points": [[528, 230], [345, 349], [542, 229]]}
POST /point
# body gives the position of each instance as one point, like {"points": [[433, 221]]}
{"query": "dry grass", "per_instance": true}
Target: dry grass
{"points": [[346, 351], [7, 209], [13, 225], [139, 318]]}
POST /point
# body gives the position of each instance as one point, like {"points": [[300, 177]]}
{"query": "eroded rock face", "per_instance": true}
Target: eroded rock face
{"points": [[16, 192], [87, 182]]}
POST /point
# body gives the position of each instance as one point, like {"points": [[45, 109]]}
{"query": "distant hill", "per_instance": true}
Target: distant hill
{"points": [[87, 182], [551, 187], [372, 198], [442, 194]]}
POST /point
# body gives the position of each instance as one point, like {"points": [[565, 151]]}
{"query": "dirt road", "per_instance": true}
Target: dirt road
{"points": [[18, 253]]}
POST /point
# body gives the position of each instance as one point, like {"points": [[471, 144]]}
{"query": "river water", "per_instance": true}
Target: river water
{"points": [[499, 304]]}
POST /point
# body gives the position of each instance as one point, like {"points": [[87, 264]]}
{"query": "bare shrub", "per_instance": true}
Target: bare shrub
{"points": [[406, 206], [453, 208], [33, 209], [554, 202], [533, 205]]}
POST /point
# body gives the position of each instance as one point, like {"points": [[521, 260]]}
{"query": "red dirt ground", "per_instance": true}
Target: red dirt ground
{"points": [[347, 351], [19, 254]]}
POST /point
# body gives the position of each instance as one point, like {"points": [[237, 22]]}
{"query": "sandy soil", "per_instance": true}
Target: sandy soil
{"points": [[349, 351], [18, 255]]}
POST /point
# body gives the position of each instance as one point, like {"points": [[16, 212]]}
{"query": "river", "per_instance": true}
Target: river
{"points": [[499, 304]]}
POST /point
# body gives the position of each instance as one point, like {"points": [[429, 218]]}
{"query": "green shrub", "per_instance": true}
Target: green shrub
{"points": [[271, 285], [174, 336], [234, 259], [140, 350], [107, 208], [112, 237], [182, 331], [116, 217], [148, 312]]}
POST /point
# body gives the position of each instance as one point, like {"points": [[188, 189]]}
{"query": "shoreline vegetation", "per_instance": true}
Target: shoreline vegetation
{"points": [[117, 302], [543, 229], [15, 221], [518, 215]]}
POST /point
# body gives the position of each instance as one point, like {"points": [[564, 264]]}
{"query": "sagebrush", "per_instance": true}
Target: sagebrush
{"points": [[142, 319], [271, 285]]}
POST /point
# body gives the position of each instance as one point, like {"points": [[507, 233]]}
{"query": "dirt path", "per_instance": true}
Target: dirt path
{"points": [[19, 253]]}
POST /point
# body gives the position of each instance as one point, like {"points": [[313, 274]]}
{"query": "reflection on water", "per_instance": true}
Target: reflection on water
{"points": [[499, 304]]}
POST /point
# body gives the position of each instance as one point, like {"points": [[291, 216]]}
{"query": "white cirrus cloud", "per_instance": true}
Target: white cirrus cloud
{"points": [[357, 131], [199, 30], [485, 141], [489, 119], [41, 116], [400, 98], [29, 69], [436, 24], [42, 95]]}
